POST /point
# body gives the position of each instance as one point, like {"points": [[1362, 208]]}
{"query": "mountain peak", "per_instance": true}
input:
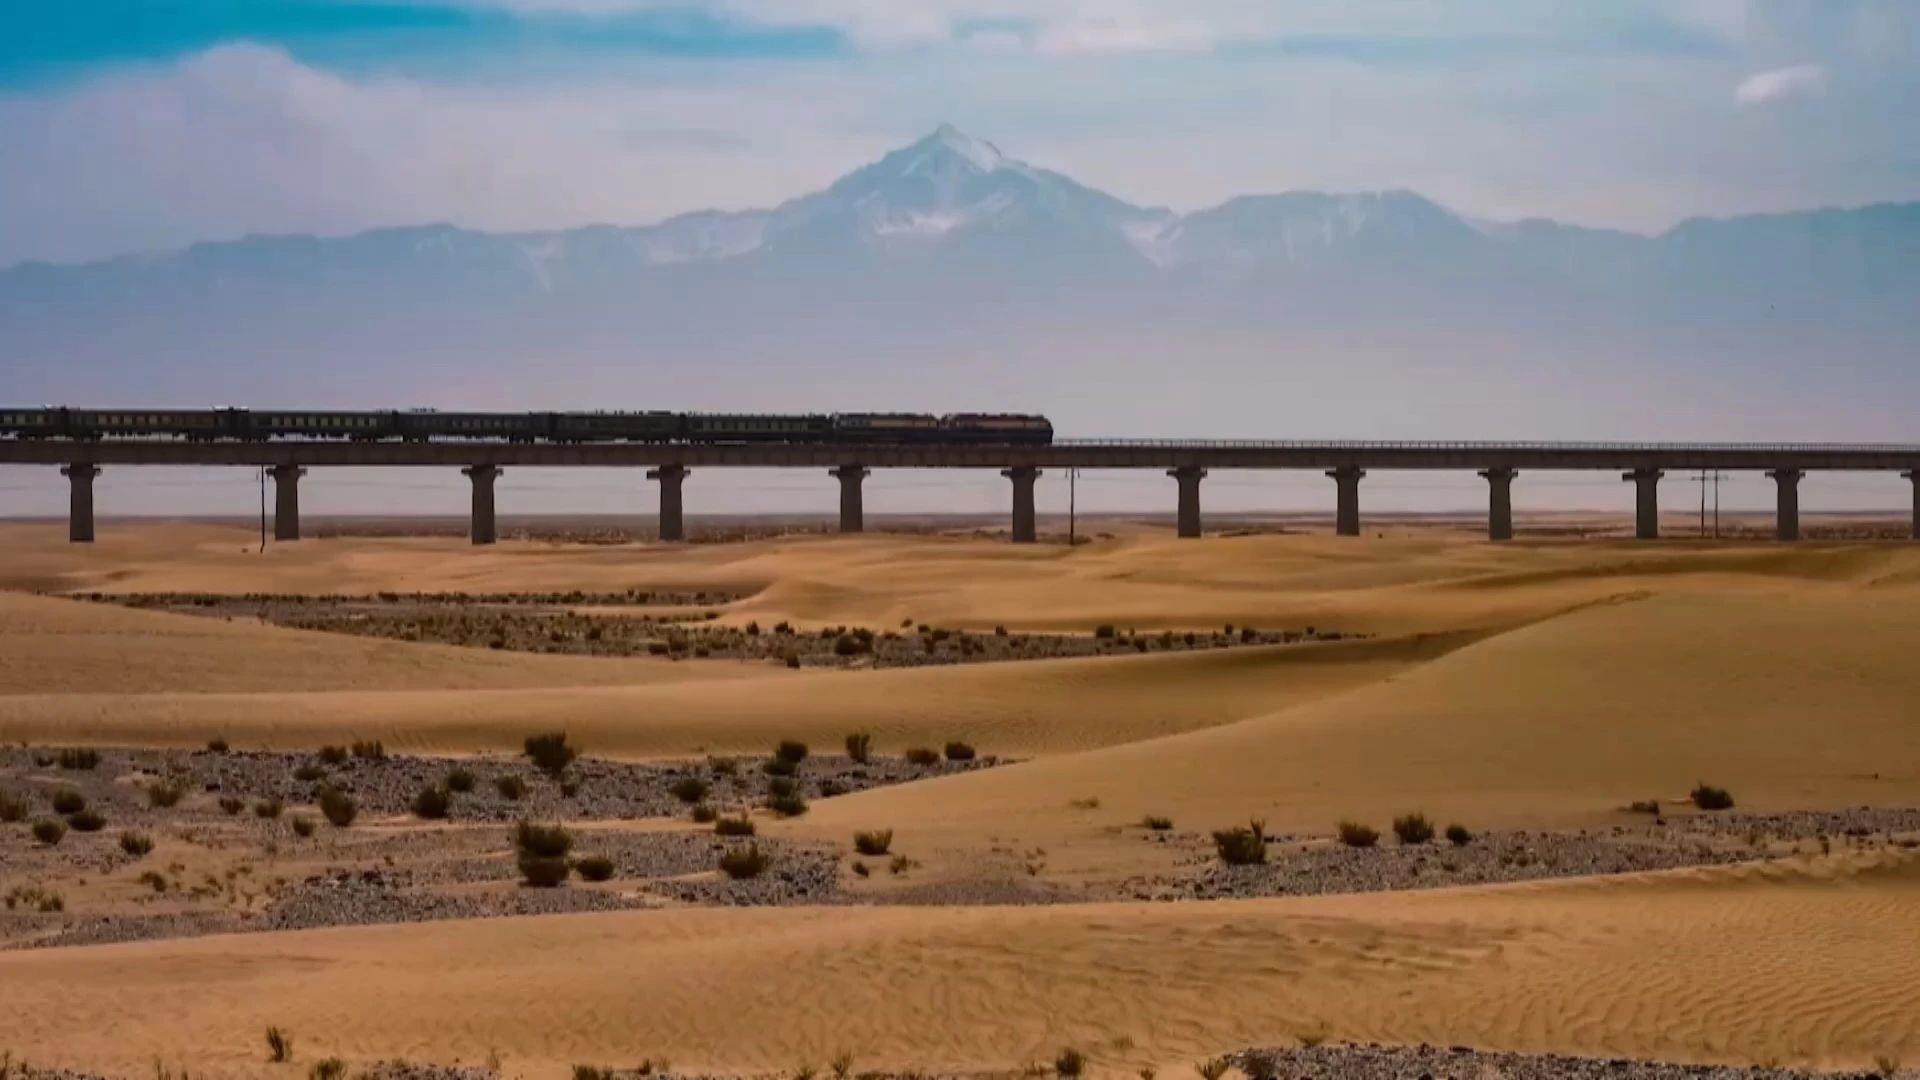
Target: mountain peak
{"points": [[948, 142]]}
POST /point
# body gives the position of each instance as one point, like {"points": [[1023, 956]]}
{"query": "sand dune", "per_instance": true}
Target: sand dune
{"points": [[1796, 964]]}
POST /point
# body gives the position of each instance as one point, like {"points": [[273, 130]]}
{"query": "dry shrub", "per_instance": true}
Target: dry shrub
{"points": [[875, 842]]}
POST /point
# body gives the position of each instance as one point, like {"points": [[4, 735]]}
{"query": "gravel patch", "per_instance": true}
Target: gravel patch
{"points": [[1367, 1062]]}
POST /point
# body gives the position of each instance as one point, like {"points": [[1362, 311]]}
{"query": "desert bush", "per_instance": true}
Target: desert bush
{"points": [[308, 772], [370, 749], [742, 863], [848, 645], [721, 766], [787, 805], [830, 788], [268, 809], [165, 793], [279, 1045], [900, 864], [232, 804], [1212, 1068], [68, 801], [689, 789], [1355, 834], [79, 758], [459, 780], [335, 755], [136, 844], [1644, 806], [841, 1065], [1413, 828], [328, 1069], [779, 766], [154, 880], [542, 872], [1104, 632], [592, 1072], [1708, 797], [1242, 845], [1157, 823], [432, 803], [959, 751], [88, 820], [781, 786], [12, 807], [1458, 835], [734, 826], [511, 788], [302, 826], [922, 756], [547, 841], [1069, 1063], [216, 745], [594, 868], [550, 751], [704, 814], [875, 842], [338, 807], [860, 746], [790, 750]]}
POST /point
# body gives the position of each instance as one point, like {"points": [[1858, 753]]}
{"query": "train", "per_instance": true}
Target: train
{"points": [[430, 425]]}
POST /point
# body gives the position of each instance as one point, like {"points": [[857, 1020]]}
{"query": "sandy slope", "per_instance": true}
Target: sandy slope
{"points": [[1796, 964]]}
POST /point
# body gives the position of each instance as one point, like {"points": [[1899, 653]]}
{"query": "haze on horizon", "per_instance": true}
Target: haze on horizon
{"points": [[135, 132]]}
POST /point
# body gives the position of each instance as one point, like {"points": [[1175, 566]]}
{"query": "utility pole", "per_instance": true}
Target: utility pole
{"points": [[263, 509], [1703, 503], [1073, 501], [1716, 504]]}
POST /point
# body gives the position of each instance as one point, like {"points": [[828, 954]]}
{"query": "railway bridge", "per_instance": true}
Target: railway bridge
{"points": [[1187, 462]]}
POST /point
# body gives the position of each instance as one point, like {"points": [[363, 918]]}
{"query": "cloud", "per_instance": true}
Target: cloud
{"points": [[1782, 84]]}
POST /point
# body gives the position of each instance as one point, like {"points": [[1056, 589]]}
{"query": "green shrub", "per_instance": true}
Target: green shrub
{"points": [[550, 751], [370, 749], [302, 826], [742, 863], [594, 867], [959, 751], [336, 755], [136, 844], [268, 808], [512, 788], [546, 841], [1458, 836], [704, 814], [12, 807], [279, 1045], [459, 780], [432, 803], [338, 807], [1354, 834], [689, 789], [1413, 828], [1157, 823], [734, 826], [68, 801], [790, 750], [922, 756], [79, 758], [88, 820], [860, 746], [165, 793], [1708, 797], [873, 843], [1242, 845], [232, 804], [787, 805]]}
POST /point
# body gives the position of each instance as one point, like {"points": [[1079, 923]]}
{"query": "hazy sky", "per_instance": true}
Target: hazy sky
{"points": [[135, 124]]}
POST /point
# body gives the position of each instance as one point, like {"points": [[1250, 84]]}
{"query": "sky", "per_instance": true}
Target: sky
{"points": [[134, 125]]}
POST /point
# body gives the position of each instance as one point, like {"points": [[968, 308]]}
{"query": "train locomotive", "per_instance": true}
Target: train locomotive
{"points": [[425, 425]]}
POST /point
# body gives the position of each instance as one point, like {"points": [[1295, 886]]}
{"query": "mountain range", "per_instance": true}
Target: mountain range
{"points": [[949, 275]]}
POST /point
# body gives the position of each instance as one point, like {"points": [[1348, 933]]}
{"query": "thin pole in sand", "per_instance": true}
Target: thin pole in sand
{"points": [[263, 509], [1073, 487]]}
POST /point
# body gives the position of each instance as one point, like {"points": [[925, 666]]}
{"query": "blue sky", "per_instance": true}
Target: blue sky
{"points": [[139, 124]]}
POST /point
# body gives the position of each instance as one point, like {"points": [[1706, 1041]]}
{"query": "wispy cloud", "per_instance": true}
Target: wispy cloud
{"points": [[1782, 84]]}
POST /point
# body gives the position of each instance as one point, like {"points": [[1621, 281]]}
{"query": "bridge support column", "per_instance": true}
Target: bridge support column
{"points": [[1646, 502], [1346, 510], [1499, 503], [1913, 477], [286, 501], [483, 476], [853, 512], [673, 526], [80, 501], [1023, 477], [1786, 524], [1188, 517]]}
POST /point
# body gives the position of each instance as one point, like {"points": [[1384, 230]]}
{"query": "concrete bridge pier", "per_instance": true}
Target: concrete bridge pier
{"points": [[1913, 477], [1023, 477], [1646, 502], [673, 525], [1346, 510], [853, 512], [483, 476], [80, 501], [1786, 524], [286, 501], [1188, 518], [1499, 502]]}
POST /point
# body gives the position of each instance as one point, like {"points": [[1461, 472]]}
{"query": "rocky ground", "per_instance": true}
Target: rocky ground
{"points": [[1328, 1062], [609, 625], [1313, 865]]}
